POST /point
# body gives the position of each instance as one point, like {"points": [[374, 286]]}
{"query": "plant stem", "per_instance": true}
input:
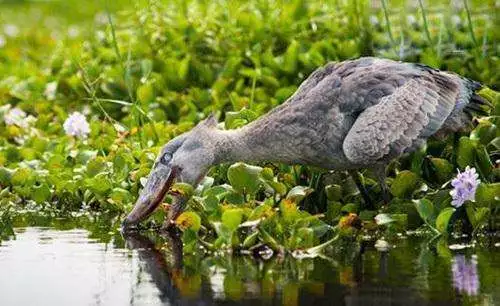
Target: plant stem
{"points": [[469, 21], [388, 23], [426, 26]]}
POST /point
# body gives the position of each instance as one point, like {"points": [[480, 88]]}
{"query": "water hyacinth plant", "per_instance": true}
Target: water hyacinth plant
{"points": [[152, 72]]}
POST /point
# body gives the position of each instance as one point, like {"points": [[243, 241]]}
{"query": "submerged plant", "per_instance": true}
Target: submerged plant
{"points": [[464, 186]]}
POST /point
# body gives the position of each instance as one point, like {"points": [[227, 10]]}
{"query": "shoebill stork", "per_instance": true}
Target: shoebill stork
{"points": [[345, 116]]}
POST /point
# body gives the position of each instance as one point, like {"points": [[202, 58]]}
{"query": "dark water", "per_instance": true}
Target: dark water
{"points": [[64, 264]]}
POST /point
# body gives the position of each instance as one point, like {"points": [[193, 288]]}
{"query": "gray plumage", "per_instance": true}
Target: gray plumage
{"points": [[354, 114], [348, 115]]}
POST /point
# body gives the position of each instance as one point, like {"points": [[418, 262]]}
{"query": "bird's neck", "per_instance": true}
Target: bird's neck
{"points": [[252, 143]]}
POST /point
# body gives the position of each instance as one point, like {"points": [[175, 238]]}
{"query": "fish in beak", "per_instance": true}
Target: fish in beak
{"points": [[159, 183]]}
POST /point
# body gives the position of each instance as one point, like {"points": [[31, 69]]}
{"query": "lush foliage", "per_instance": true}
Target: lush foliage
{"points": [[145, 75]]}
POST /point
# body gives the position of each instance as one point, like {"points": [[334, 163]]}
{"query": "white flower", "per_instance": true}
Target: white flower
{"points": [[50, 91], [101, 18], [77, 125], [2, 41], [382, 246], [374, 20], [73, 31], [16, 116], [11, 30]]}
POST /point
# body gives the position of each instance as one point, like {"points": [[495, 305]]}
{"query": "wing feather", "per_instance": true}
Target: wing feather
{"points": [[402, 120]]}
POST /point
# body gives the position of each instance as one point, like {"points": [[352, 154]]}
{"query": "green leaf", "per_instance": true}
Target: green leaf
{"points": [[425, 209], [488, 194], [250, 240], [466, 152], [41, 193], [96, 166], [404, 184], [231, 218], [238, 119], [290, 59], [100, 184], [298, 193], [484, 132], [22, 176], [5, 176], [333, 192], [443, 219], [120, 196], [483, 161], [244, 178]]}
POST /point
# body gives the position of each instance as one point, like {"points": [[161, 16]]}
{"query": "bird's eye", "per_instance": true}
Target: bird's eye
{"points": [[165, 159]]}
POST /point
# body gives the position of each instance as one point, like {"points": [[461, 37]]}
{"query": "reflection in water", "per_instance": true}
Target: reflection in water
{"points": [[44, 266], [465, 277]]}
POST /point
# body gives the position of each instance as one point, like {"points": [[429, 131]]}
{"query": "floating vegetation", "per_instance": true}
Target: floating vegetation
{"points": [[84, 113]]}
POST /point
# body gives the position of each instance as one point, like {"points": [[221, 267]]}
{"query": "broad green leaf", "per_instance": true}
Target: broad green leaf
{"points": [[333, 192], [483, 161], [484, 132], [350, 208], [466, 152], [244, 178], [5, 176], [404, 184], [231, 218], [40, 193], [250, 240], [443, 219], [488, 194], [96, 166], [22, 176], [120, 196], [425, 209]]}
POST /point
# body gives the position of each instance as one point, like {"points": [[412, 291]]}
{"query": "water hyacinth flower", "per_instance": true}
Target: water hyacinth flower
{"points": [[464, 186], [77, 125], [16, 116], [465, 277]]}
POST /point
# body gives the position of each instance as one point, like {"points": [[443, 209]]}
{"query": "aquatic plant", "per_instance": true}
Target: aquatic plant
{"points": [[150, 73]]}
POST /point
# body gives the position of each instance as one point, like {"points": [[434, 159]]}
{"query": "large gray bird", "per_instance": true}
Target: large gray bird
{"points": [[345, 116]]}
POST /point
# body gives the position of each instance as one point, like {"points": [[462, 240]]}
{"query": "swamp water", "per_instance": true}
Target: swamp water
{"points": [[70, 262]]}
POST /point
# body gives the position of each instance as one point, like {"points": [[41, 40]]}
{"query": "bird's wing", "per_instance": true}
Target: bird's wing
{"points": [[401, 121]]}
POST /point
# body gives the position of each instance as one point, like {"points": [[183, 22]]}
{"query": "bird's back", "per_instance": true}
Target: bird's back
{"points": [[377, 108]]}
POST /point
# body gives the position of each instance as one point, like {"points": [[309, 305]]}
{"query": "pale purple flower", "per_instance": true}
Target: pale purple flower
{"points": [[464, 186], [11, 30], [465, 277], [16, 116], [2, 41], [77, 125]]}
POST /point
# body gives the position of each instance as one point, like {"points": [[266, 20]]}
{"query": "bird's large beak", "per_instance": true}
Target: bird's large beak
{"points": [[159, 182]]}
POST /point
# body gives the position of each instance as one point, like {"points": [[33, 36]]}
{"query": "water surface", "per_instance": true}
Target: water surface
{"points": [[69, 265]]}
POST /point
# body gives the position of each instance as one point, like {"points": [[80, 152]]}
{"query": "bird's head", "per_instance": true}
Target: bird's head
{"points": [[186, 159]]}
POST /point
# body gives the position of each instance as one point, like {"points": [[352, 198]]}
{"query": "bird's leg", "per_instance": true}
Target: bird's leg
{"points": [[379, 171], [362, 189]]}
